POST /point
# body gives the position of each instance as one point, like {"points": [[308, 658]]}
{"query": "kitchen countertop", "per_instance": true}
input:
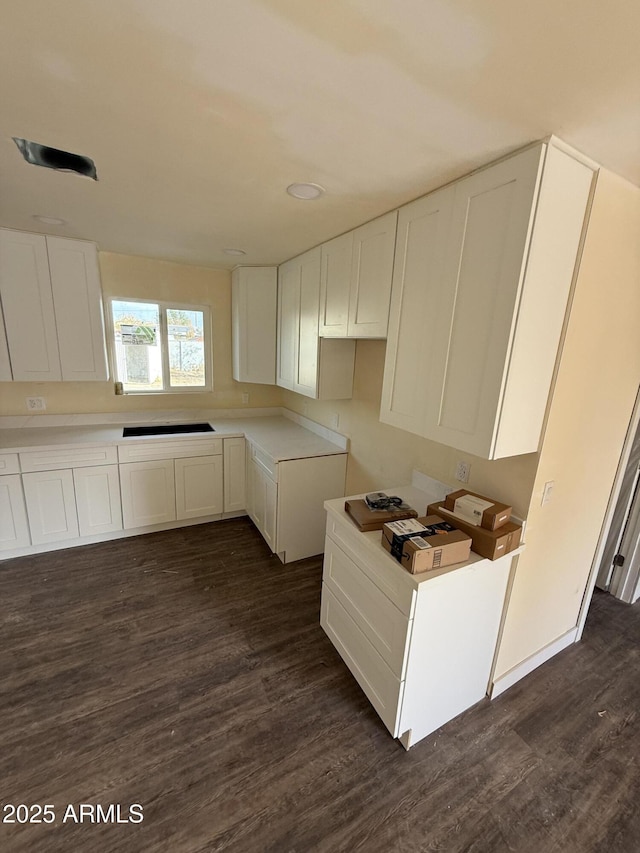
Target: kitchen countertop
{"points": [[423, 491], [279, 437]]}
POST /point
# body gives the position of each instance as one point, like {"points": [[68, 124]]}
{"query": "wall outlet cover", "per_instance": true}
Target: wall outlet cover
{"points": [[463, 470], [36, 404]]}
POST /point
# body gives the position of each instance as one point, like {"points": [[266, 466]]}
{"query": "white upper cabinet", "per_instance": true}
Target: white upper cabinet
{"points": [[371, 272], [254, 296], [77, 299], [356, 280], [305, 364], [478, 304], [51, 299], [335, 284], [423, 227], [27, 303]]}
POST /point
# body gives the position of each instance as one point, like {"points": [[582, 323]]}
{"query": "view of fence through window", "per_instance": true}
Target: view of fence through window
{"points": [[140, 340]]}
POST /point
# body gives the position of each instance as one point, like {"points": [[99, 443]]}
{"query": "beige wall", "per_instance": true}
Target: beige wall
{"points": [[382, 456], [590, 410], [126, 275]]}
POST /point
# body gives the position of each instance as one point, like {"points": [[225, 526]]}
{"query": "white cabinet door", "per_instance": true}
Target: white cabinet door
{"points": [[234, 474], [250, 487], [270, 532], [264, 504], [474, 321], [27, 302], [98, 499], [335, 283], [198, 486], [254, 296], [371, 272], [14, 527], [75, 284], [288, 322], [306, 362], [423, 227], [5, 363], [148, 493], [51, 506]]}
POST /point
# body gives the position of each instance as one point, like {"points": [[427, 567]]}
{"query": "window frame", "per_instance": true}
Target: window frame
{"points": [[163, 307]]}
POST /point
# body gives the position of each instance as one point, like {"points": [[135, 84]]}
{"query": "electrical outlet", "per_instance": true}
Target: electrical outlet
{"points": [[245, 397], [462, 471], [335, 420], [36, 404]]}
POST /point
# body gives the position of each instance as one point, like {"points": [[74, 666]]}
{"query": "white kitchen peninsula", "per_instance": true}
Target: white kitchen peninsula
{"points": [[420, 646]]}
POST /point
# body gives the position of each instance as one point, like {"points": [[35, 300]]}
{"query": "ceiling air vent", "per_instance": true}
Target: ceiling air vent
{"points": [[54, 158]]}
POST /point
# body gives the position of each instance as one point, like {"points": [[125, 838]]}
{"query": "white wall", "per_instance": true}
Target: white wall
{"points": [[589, 413]]}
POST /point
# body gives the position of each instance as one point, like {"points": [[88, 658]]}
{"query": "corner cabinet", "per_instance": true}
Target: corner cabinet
{"points": [[52, 306], [307, 364], [355, 284], [285, 499], [482, 276], [254, 297]]}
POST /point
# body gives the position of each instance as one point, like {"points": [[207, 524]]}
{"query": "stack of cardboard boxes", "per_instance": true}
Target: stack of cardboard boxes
{"points": [[448, 532]]}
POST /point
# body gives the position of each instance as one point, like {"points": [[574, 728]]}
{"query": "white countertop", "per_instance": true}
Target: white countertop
{"points": [[279, 437], [419, 495]]}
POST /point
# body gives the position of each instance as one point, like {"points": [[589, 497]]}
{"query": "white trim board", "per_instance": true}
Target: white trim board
{"points": [[518, 672]]}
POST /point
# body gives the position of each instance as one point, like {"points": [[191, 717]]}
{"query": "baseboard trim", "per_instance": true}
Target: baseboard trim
{"points": [[512, 676]]}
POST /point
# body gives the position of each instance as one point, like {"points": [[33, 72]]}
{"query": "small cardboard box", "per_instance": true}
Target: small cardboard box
{"points": [[488, 543], [477, 509], [438, 543], [372, 519]]}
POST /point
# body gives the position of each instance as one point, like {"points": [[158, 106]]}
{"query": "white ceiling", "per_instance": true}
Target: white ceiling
{"points": [[199, 113]]}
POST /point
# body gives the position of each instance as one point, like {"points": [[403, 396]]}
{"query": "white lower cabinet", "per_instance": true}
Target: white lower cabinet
{"points": [[234, 474], [421, 647], [285, 500], [51, 506], [14, 526], [199, 486], [264, 504], [98, 499], [148, 493]]}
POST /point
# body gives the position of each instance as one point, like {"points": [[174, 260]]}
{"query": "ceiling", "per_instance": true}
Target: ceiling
{"points": [[199, 113]]}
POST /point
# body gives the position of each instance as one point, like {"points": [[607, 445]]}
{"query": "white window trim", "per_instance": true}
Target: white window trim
{"points": [[164, 349]]}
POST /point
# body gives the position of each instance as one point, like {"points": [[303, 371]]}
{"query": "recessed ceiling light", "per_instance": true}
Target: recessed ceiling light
{"points": [[49, 220], [234, 252], [305, 191]]}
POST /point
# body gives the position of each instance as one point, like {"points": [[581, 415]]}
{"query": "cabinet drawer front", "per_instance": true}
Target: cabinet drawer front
{"points": [[175, 449], [264, 462], [383, 689], [389, 578], [386, 627], [9, 463], [74, 457]]}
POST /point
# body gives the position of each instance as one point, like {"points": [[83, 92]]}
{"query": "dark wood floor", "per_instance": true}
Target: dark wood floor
{"points": [[186, 671]]}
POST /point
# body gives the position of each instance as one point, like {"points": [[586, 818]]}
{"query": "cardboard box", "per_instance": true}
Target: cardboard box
{"points": [[425, 544], [488, 543], [477, 509], [372, 519]]}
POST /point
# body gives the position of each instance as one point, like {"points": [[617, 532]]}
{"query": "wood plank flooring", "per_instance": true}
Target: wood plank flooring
{"points": [[186, 671]]}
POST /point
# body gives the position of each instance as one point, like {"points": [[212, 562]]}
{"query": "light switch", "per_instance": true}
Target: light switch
{"points": [[547, 492]]}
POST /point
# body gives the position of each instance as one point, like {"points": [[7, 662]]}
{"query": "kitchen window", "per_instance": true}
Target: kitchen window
{"points": [[160, 348]]}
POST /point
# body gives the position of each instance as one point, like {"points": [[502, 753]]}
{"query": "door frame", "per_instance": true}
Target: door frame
{"points": [[608, 518]]}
